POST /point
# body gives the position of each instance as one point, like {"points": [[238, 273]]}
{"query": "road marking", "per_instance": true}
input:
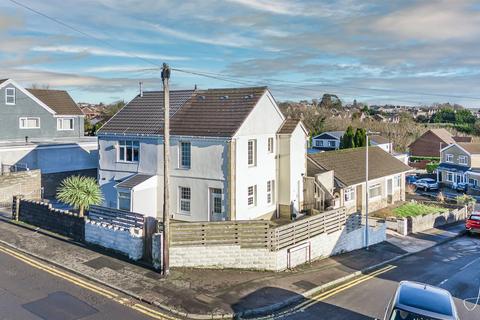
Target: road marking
{"points": [[469, 264], [86, 285], [327, 294]]}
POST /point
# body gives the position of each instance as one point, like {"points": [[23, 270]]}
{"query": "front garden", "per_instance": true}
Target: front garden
{"points": [[413, 209]]}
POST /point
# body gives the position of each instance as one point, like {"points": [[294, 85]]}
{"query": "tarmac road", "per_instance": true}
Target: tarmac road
{"points": [[32, 290], [454, 266]]}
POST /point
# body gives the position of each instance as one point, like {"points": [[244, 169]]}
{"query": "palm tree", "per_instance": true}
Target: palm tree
{"points": [[80, 192]]}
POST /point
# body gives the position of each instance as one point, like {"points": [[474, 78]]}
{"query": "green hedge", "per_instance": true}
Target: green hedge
{"points": [[418, 158], [432, 166]]}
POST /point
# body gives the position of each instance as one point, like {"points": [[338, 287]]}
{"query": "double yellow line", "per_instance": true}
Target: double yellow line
{"points": [[327, 294], [86, 285]]}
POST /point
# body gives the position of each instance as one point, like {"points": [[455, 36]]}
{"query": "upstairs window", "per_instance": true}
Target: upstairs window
{"points": [[128, 151], [185, 154], [252, 152], [462, 160], [185, 197], [270, 145], [10, 98], [449, 158], [29, 123], [65, 124]]}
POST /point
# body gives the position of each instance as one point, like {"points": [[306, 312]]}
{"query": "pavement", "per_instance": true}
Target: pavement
{"points": [[200, 293]]}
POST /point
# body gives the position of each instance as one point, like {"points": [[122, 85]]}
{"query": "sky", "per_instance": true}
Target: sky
{"points": [[396, 52]]}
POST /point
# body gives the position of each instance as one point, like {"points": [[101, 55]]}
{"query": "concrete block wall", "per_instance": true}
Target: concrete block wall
{"points": [[126, 241], [429, 221], [230, 256], [26, 183], [42, 215], [51, 181]]}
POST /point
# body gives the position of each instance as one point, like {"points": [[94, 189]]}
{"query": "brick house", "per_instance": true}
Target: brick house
{"points": [[431, 142]]}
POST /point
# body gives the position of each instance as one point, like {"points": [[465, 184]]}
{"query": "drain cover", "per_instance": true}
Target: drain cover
{"points": [[60, 306]]}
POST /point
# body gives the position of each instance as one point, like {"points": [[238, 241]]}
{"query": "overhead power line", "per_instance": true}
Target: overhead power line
{"points": [[243, 80]]}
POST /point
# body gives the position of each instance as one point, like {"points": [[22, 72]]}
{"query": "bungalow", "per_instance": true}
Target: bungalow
{"points": [[339, 179], [234, 156]]}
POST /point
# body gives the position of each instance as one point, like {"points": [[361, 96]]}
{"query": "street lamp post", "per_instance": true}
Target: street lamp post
{"points": [[366, 188]]}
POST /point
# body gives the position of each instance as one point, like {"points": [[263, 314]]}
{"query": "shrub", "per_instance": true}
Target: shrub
{"points": [[432, 166]]}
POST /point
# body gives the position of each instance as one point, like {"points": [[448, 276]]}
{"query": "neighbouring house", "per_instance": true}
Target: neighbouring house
{"points": [[338, 179], [234, 156], [330, 140], [431, 142], [37, 113], [327, 141], [44, 129], [460, 163]]}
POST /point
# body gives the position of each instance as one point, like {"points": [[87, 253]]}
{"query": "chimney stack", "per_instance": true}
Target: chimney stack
{"points": [[141, 88]]}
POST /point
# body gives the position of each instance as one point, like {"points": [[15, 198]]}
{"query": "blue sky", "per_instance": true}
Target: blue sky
{"points": [[374, 51]]}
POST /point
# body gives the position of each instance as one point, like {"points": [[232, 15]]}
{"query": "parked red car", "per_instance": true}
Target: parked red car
{"points": [[473, 223]]}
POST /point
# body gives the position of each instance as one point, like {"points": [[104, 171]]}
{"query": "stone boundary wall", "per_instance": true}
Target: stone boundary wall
{"points": [[233, 256], [128, 241], [26, 183], [43, 215], [429, 221], [51, 181]]}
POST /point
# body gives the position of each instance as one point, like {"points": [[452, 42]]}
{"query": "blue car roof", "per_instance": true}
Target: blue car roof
{"points": [[425, 297]]}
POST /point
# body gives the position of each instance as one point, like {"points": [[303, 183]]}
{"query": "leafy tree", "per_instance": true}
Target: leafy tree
{"points": [[445, 115], [348, 139], [360, 137], [80, 192], [464, 116], [330, 101]]}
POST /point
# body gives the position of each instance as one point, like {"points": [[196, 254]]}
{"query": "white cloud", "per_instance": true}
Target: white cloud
{"points": [[273, 6], [227, 40], [117, 68], [105, 52], [436, 20]]}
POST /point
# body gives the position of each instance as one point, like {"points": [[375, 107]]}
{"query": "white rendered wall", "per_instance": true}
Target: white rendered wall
{"points": [[144, 197], [298, 166], [262, 123]]}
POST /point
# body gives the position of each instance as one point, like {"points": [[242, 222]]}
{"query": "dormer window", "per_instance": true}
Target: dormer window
{"points": [[10, 96]]}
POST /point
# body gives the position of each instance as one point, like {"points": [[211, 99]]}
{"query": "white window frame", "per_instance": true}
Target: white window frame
{"points": [[252, 196], [28, 118], [133, 144], [181, 154], [270, 191], [252, 152], [129, 193], [374, 186], [319, 143], [60, 124], [349, 194], [449, 157], [271, 149], [14, 96], [397, 182], [450, 174], [184, 200], [332, 143], [475, 182], [462, 160]]}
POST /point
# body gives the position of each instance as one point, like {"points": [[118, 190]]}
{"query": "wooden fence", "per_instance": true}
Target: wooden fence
{"points": [[304, 229], [247, 234], [260, 234], [116, 217]]}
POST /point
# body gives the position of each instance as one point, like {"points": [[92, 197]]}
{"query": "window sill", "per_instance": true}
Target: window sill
{"points": [[127, 162], [29, 128], [65, 129], [184, 213]]}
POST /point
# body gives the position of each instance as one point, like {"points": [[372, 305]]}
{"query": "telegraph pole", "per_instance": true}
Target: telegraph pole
{"points": [[166, 166], [366, 194]]}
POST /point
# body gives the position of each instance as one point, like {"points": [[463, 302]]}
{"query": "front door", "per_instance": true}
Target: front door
{"points": [[390, 190], [215, 205]]}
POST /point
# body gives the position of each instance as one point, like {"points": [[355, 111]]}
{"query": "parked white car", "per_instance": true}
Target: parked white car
{"points": [[426, 184]]}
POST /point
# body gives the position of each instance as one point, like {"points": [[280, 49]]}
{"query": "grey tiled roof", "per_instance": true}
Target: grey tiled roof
{"points": [[133, 181], [212, 112], [144, 115], [349, 164]]}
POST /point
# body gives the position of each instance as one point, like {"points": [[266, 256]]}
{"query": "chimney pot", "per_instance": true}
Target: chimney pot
{"points": [[141, 88]]}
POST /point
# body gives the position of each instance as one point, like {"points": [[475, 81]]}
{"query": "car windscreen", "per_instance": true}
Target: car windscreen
{"points": [[475, 217], [399, 314]]}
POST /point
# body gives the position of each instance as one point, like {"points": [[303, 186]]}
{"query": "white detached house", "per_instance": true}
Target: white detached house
{"points": [[234, 156]]}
